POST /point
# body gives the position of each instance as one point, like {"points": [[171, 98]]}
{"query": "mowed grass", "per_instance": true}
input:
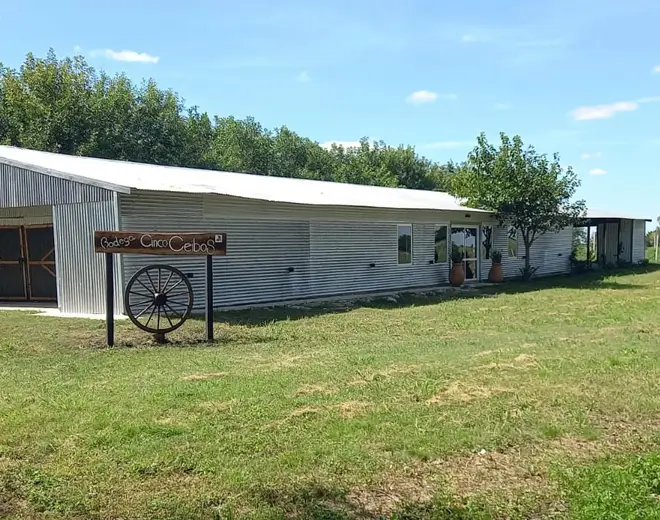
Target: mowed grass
{"points": [[527, 401]]}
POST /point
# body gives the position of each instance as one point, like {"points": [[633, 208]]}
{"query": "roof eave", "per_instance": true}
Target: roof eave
{"points": [[66, 176]]}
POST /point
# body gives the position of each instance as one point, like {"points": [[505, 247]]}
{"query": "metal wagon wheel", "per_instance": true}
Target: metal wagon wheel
{"points": [[159, 299]]}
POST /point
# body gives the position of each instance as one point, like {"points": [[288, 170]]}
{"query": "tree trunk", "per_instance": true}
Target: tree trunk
{"points": [[527, 273]]}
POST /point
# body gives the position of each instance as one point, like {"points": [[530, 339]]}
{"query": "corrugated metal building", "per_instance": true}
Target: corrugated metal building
{"points": [[287, 239]]}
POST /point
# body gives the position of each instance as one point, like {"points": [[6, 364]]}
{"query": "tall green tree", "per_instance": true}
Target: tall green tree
{"points": [[46, 105], [521, 187]]}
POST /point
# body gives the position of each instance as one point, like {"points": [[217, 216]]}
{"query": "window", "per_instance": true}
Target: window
{"points": [[440, 245], [486, 242], [513, 241], [405, 243]]}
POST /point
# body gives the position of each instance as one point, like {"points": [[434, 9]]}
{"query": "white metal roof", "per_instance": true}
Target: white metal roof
{"points": [[596, 213], [124, 176]]}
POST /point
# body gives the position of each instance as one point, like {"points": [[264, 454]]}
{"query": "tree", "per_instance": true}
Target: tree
{"points": [[521, 187], [66, 106]]}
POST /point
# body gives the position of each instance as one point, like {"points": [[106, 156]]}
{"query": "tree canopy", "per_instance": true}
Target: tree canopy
{"points": [[522, 187], [64, 105]]}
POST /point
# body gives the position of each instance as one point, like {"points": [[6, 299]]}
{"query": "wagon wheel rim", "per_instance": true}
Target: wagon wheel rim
{"points": [[158, 299]]}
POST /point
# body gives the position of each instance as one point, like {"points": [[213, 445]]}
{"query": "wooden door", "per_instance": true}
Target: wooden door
{"points": [[13, 272], [39, 244]]}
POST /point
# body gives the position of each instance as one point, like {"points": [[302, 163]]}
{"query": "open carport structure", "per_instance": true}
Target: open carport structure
{"points": [[618, 238]]}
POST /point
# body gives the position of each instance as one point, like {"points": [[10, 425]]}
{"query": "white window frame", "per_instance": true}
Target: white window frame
{"points": [[508, 236], [448, 240], [412, 239]]}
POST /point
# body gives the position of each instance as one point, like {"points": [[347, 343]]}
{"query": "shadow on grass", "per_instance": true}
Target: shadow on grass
{"points": [[322, 503], [589, 281]]}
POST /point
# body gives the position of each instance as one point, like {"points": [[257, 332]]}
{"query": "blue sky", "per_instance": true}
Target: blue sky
{"points": [[578, 77]]}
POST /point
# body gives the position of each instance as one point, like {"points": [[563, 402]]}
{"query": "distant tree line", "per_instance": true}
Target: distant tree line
{"points": [[66, 106]]}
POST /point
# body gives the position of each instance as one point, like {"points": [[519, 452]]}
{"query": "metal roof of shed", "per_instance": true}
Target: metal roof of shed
{"points": [[596, 214], [123, 176]]}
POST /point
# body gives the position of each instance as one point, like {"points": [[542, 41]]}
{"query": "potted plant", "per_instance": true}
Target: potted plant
{"points": [[495, 275], [457, 275]]}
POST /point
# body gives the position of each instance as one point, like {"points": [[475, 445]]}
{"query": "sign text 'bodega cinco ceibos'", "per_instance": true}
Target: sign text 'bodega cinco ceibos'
{"points": [[160, 243]]}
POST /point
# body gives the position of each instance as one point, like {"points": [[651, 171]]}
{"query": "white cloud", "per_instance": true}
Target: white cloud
{"points": [[421, 96], [597, 171], [656, 70], [447, 145], [607, 111], [77, 49], [128, 56], [304, 77], [502, 106], [595, 155], [346, 144], [603, 111]]}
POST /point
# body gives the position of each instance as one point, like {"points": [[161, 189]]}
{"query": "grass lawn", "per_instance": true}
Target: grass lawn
{"points": [[541, 401]]}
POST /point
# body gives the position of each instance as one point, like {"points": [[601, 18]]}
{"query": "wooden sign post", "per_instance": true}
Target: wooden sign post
{"points": [[189, 244]]}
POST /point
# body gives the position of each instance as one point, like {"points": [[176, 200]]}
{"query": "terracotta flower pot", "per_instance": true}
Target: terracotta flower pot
{"points": [[495, 275], [457, 275]]}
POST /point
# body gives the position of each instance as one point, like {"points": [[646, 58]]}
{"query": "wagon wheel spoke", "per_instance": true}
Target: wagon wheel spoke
{"points": [[140, 282], [158, 317], [174, 286], [141, 294], [167, 282], [150, 301], [139, 315], [174, 295], [174, 302], [153, 285], [159, 280], [167, 315], [177, 314], [151, 315]]}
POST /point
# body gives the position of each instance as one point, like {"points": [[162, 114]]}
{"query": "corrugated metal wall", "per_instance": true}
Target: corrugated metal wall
{"points": [[625, 237], [342, 254], [550, 253], [608, 242], [81, 271], [639, 241], [28, 216], [329, 249], [22, 187], [329, 256]]}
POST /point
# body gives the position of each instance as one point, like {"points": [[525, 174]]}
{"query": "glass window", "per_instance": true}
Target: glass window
{"points": [[513, 241], [440, 245], [405, 243], [486, 242]]}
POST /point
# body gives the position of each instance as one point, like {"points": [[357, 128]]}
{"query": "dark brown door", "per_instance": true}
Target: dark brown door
{"points": [[13, 273], [39, 244]]}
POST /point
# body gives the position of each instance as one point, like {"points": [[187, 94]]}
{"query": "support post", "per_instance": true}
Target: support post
{"points": [[209, 298], [110, 298], [588, 245]]}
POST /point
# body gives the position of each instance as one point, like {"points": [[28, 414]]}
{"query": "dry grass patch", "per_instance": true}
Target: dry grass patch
{"points": [[385, 374], [205, 377], [464, 392], [314, 389], [351, 408]]}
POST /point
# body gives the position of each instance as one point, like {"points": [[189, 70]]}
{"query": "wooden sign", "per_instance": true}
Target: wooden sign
{"points": [[201, 244]]}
